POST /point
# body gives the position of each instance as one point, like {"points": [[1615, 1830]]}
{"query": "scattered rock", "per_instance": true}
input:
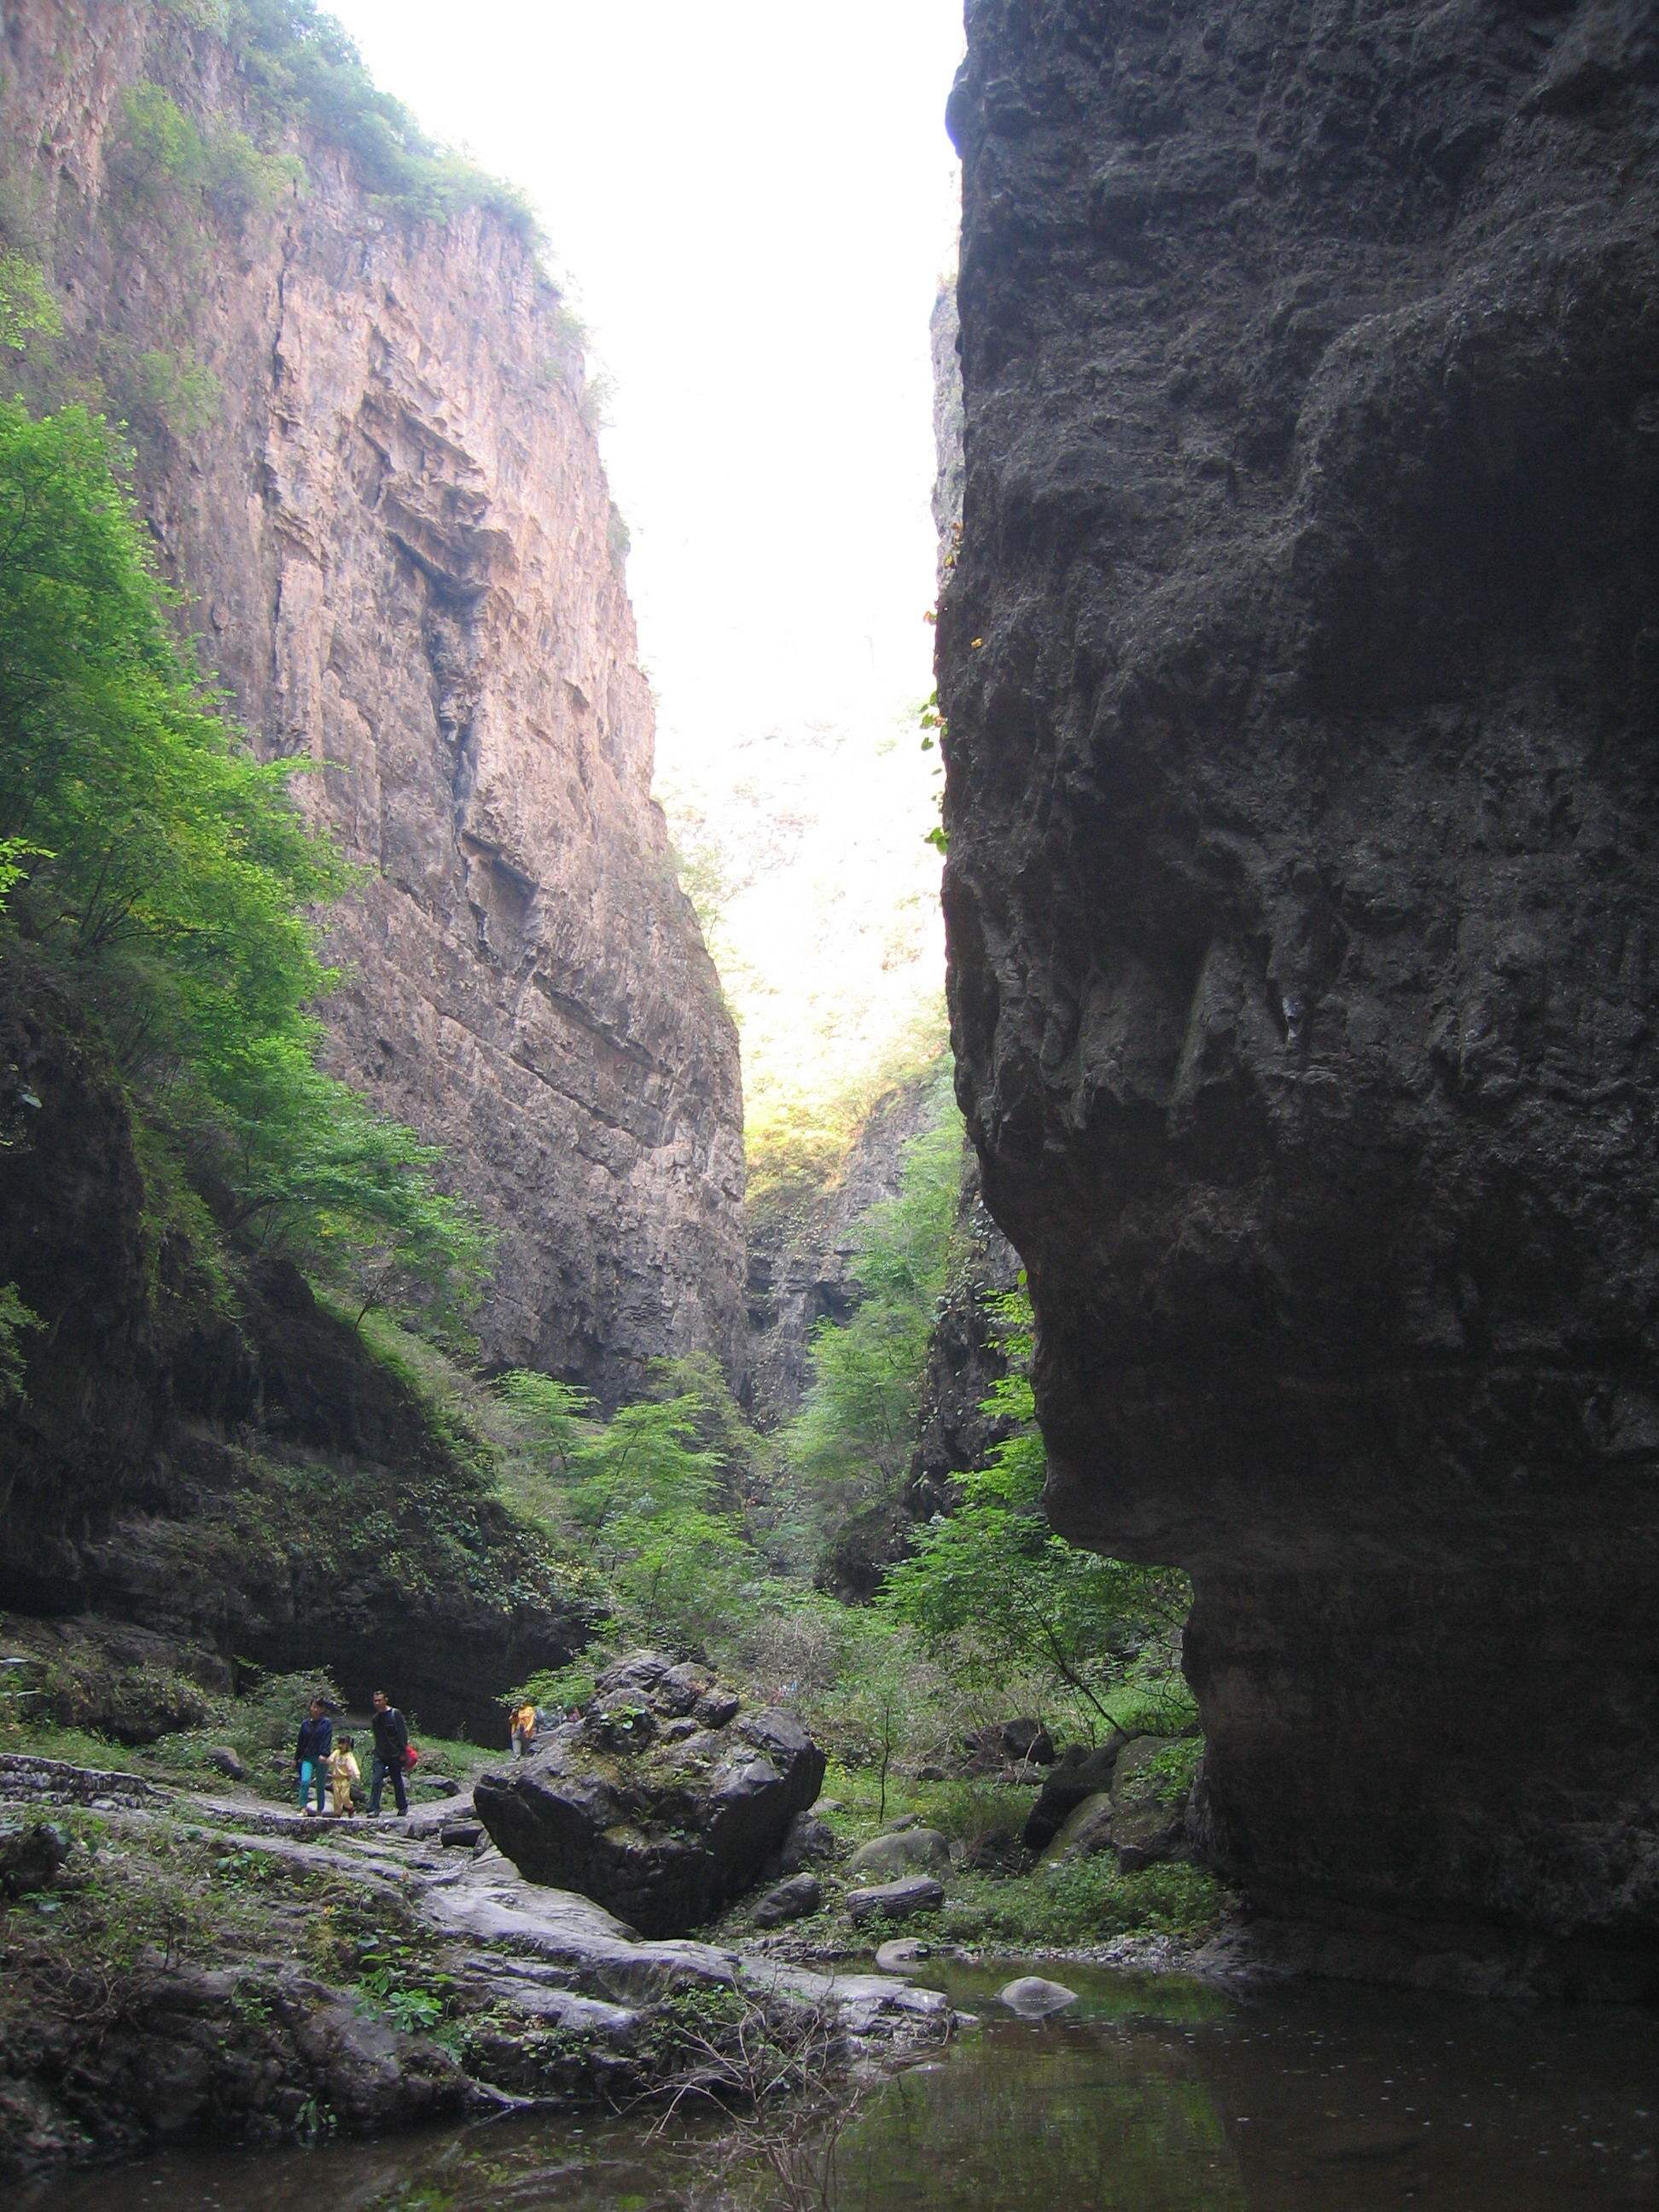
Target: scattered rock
{"points": [[1086, 1829], [895, 1900], [224, 1759], [903, 1955], [1033, 1998], [433, 1785], [790, 1900], [1080, 1772], [1010, 1743], [461, 1835], [663, 1833], [897, 1827], [32, 1852], [908, 1850], [808, 1839]]}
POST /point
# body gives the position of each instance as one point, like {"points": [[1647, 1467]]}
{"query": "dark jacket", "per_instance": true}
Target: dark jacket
{"points": [[316, 1740], [391, 1736]]}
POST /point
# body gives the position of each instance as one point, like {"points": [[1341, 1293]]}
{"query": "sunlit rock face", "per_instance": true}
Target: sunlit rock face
{"points": [[396, 530], [1301, 668]]}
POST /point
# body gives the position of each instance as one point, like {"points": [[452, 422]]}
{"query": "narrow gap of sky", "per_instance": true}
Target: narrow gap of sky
{"points": [[754, 201]]}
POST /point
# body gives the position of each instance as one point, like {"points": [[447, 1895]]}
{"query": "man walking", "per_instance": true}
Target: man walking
{"points": [[391, 1753], [311, 1755]]}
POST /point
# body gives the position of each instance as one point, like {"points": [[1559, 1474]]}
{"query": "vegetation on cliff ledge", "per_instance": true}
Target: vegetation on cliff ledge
{"points": [[168, 876]]}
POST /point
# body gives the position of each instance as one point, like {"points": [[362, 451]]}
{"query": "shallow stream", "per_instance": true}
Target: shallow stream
{"points": [[1150, 2096]]}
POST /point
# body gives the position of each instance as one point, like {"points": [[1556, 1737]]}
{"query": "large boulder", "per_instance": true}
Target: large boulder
{"points": [[1009, 1743], [904, 1851], [662, 1802], [1086, 1829], [32, 1854], [1080, 1772], [895, 1900]]}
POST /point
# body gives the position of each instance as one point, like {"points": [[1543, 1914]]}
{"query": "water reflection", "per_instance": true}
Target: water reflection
{"points": [[1150, 2097]]}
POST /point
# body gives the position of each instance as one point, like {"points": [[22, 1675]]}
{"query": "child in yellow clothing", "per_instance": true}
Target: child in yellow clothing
{"points": [[344, 1775]]}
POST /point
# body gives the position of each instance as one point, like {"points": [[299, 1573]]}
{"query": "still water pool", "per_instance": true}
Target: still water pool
{"points": [[1150, 2096]]}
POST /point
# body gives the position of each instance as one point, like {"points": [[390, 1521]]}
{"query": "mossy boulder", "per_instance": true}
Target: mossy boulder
{"points": [[664, 1802]]}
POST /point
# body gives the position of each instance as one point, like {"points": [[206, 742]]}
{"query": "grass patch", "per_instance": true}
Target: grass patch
{"points": [[1081, 1902]]}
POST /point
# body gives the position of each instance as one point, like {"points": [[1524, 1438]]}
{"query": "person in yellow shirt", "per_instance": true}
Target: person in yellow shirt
{"points": [[344, 1775], [525, 1720]]}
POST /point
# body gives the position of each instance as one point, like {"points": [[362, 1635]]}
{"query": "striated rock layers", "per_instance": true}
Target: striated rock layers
{"points": [[1301, 668], [362, 450]]}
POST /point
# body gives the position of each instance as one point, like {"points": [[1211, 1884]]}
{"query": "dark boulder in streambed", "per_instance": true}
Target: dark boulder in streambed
{"points": [[663, 1802]]}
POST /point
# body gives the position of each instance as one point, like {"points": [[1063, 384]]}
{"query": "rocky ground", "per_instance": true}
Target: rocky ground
{"points": [[182, 1963]]}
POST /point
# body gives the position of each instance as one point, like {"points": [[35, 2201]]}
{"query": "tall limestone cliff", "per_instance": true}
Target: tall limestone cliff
{"points": [[1302, 673], [362, 450]]}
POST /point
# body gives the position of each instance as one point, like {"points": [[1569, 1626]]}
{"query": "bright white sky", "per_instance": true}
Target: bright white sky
{"points": [[754, 201]]}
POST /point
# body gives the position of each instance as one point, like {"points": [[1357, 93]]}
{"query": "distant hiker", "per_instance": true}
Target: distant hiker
{"points": [[312, 1753], [391, 1753], [344, 1775], [526, 1719]]}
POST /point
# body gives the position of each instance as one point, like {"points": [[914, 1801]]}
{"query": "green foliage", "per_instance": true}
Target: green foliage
{"points": [[1170, 1776], [15, 1321], [557, 1415], [595, 398], [645, 1490], [240, 180], [299, 63], [172, 876], [556, 1689], [201, 14], [164, 391], [1084, 1901], [992, 1583], [268, 1712], [163, 163], [27, 309], [852, 1441], [155, 148]]}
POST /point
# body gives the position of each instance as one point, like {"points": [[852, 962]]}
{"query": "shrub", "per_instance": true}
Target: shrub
{"points": [[1086, 1901], [240, 180], [162, 392], [157, 148], [27, 309], [15, 1318]]}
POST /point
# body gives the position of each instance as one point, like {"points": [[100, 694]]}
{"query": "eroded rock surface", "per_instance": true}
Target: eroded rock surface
{"points": [[663, 1802], [1300, 667], [398, 539]]}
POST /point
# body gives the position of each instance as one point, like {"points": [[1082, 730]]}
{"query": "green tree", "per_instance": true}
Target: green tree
{"points": [[852, 1441], [166, 869], [994, 1585]]}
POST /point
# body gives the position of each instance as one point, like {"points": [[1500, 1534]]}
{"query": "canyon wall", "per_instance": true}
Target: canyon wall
{"points": [[1301, 672], [362, 450]]}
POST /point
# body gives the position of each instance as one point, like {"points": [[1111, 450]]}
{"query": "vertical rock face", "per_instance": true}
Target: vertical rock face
{"points": [[395, 526], [1303, 669]]}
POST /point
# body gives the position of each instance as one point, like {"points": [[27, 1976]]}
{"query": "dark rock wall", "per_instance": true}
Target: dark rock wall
{"points": [[1301, 668], [215, 1457], [394, 526]]}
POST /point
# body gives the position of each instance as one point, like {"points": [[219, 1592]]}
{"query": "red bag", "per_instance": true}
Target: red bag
{"points": [[411, 1757]]}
